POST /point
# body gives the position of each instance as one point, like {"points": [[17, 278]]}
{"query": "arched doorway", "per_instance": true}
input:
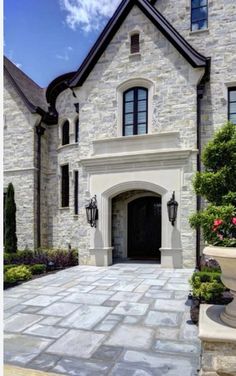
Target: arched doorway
{"points": [[144, 228]]}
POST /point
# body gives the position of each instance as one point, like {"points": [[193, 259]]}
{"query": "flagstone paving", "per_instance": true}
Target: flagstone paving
{"points": [[124, 320]]}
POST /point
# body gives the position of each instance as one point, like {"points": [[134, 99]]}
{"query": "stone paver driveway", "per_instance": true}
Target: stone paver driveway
{"points": [[124, 320]]}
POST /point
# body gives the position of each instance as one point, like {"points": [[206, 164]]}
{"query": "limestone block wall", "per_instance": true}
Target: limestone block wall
{"points": [[217, 42], [218, 359], [63, 224], [19, 163], [173, 101]]}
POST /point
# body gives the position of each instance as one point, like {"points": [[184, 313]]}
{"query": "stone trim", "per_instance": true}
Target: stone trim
{"points": [[140, 160], [27, 169]]}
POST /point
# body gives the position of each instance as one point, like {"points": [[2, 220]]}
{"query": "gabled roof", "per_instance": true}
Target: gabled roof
{"points": [[32, 95], [186, 50]]}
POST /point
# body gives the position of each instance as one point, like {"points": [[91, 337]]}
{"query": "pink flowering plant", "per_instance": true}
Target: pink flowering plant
{"points": [[217, 185], [218, 224]]}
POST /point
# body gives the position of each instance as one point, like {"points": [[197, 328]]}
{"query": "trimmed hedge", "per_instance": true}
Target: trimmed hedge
{"points": [[38, 269]]}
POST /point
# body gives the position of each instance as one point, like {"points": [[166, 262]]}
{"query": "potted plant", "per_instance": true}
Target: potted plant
{"points": [[217, 185]]}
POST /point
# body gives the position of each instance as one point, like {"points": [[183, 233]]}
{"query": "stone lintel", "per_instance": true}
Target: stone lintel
{"points": [[211, 328]]}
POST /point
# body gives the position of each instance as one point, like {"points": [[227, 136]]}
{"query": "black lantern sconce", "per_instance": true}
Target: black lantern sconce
{"points": [[172, 207], [92, 212]]}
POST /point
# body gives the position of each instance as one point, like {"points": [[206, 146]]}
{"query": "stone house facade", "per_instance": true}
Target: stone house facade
{"points": [[128, 127]]}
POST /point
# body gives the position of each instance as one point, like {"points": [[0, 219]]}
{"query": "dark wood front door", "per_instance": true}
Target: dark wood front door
{"points": [[144, 228]]}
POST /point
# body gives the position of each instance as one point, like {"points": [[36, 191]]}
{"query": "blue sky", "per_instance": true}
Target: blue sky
{"points": [[46, 38]]}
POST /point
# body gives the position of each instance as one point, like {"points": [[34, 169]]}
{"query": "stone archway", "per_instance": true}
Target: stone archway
{"points": [[106, 206]]}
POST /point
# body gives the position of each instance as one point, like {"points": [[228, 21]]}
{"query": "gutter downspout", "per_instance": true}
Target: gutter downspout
{"points": [[200, 91], [40, 132]]}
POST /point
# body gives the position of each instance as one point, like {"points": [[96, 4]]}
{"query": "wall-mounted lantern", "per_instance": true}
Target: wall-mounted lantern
{"points": [[92, 212], [172, 207]]}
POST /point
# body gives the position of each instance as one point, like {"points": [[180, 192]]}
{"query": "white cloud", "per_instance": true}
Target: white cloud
{"points": [[88, 14], [65, 56]]}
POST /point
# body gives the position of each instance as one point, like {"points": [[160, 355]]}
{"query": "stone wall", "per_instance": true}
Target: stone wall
{"points": [[218, 359], [217, 42], [19, 163]]}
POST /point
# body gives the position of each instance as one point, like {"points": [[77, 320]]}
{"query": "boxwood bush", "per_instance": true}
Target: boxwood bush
{"points": [[17, 274], [207, 286], [38, 269]]}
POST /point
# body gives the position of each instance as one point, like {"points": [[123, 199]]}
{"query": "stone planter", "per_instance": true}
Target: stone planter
{"points": [[226, 257]]}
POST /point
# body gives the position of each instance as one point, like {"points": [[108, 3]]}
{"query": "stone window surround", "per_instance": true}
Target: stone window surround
{"points": [[71, 130], [132, 82]]}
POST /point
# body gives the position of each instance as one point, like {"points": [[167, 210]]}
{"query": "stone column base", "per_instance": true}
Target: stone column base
{"points": [[218, 343], [100, 256], [171, 258]]}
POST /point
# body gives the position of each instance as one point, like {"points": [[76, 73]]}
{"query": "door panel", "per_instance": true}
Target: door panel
{"points": [[144, 228]]}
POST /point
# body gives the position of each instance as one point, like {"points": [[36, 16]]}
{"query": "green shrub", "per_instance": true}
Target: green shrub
{"points": [[207, 286], [9, 266], [16, 274], [38, 269]]}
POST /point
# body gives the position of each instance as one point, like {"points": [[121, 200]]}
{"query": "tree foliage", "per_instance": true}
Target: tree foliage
{"points": [[10, 221], [217, 184]]}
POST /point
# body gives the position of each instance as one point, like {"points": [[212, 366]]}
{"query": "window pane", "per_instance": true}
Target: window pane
{"points": [[199, 25], [142, 105], [142, 94], [232, 108], [232, 118], [195, 3], [65, 186], [203, 3], [141, 128], [76, 130], [129, 130], [129, 119], [199, 14], [129, 96], [232, 96], [142, 117], [65, 133], [129, 107], [134, 43]]}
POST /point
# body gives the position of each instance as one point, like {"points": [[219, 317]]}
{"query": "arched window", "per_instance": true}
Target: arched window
{"points": [[135, 111], [65, 133]]}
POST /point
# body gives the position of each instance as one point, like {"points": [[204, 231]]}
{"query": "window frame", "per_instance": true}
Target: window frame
{"points": [[233, 88], [65, 194], [63, 143], [135, 112], [191, 15]]}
